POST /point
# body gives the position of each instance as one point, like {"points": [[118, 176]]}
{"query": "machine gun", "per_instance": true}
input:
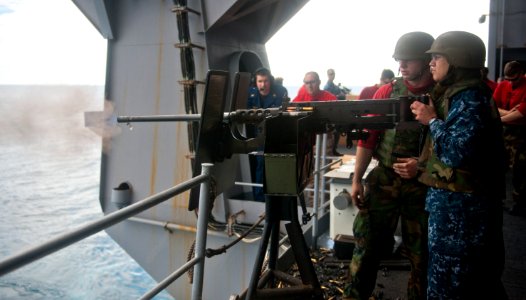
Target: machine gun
{"points": [[287, 138]]}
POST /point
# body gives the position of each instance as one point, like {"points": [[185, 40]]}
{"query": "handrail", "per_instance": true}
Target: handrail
{"points": [[171, 278], [200, 245], [320, 149], [27, 256], [55, 244], [200, 239], [325, 167]]}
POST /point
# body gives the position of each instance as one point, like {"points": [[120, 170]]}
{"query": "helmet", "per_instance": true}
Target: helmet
{"points": [[462, 49], [413, 45]]}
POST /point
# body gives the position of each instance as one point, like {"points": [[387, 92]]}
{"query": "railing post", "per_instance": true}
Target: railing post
{"points": [[321, 199], [317, 166], [200, 242]]}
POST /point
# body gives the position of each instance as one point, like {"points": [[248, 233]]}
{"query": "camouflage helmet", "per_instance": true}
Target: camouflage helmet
{"points": [[461, 49], [413, 46]]}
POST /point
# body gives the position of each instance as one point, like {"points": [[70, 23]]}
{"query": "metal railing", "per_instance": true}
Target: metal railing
{"points": [[32, 254], [25, 257]]}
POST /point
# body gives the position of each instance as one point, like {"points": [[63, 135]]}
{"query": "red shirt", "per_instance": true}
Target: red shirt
{"points": [[492, 84], [507, 97], [368, 92], [384, 92], [321, 95]]}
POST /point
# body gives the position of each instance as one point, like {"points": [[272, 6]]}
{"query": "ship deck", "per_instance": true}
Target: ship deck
{"points": [[393, 273]]}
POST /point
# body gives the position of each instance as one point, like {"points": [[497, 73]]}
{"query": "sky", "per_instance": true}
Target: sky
{"points": [[51, 42], [359, 37]]}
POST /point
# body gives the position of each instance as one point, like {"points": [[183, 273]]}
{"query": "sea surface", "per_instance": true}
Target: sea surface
{"points": [[49, 184]]}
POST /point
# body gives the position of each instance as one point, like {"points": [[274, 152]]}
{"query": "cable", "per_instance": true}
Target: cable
{"points": [[213, 252]]}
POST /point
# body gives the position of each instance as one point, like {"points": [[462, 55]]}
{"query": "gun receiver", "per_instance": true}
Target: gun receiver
{"points": [[360, 114]]}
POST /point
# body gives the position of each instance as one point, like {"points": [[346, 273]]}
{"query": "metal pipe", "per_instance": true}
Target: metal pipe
{"points": [[322, 184], [27, 256], [176, 227], [199, 257], [323, 206], [317, 164], [325, 167], [502, 38], [248, 184], [283, 240], [200, 241], [171, 278], [312, 190], [166, 225]]}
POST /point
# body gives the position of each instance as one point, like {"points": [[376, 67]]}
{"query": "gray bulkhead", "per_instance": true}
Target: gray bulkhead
{"points": [[143, 74]]}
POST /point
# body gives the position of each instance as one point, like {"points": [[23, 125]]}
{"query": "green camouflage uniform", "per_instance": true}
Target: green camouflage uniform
{"points": [[389, 197]]}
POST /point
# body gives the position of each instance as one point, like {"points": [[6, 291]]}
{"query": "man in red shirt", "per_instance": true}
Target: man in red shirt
{"points": [[310, 91], [510, 97], [368, 92]]}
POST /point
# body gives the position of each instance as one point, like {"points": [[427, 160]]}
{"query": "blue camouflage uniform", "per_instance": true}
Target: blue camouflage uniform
{"points": [[465, 173]]}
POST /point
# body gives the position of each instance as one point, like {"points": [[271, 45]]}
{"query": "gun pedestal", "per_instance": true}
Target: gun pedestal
{"points": [[288, 162], [283, 209]]}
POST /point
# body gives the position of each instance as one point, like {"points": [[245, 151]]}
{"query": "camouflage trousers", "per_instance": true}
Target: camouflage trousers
{"points": [[515, 142], [389, 198], [466, 249]]}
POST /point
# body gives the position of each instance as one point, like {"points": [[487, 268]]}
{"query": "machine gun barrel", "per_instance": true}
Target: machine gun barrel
{"points": [[240, 116], [159, 118]]}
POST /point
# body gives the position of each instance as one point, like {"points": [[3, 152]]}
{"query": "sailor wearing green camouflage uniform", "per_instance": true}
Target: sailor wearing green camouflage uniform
{"points": [[393, 191], [464, 169]]}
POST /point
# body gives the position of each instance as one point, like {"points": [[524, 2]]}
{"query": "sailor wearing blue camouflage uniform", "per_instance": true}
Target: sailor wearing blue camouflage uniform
{"points": [[265, 94], [464, 169]]}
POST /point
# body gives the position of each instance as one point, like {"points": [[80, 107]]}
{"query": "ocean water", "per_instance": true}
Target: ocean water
{"points": [[49, 184]]}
